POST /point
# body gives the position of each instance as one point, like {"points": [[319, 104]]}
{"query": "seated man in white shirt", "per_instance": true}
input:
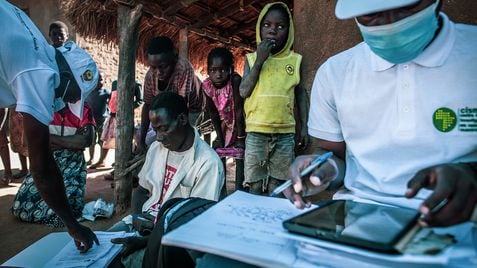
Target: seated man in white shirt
{"points": [[178, 163]]}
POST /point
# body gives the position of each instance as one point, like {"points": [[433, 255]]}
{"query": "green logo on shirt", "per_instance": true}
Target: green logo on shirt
{"points": [[444, 119]]}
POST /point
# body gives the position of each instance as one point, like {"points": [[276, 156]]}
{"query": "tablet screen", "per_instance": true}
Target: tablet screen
{"points": [[356, 223]]}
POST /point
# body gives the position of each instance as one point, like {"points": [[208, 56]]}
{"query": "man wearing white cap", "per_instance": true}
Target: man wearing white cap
{"points": [[398, 111], [29, 75]]}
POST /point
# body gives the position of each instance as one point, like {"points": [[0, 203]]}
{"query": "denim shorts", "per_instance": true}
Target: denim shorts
{"points": [[268, 155]]}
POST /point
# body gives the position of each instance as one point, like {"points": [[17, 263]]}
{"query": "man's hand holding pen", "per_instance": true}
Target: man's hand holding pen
{"points": [[310, 184]]}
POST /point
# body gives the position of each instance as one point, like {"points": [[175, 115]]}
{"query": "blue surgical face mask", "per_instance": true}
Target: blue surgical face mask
{"points": [[403, 40], [59, 103]]}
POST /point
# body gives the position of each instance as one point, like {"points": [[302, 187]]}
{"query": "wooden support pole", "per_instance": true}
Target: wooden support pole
{"points": [[184, 43], [128, 21]]}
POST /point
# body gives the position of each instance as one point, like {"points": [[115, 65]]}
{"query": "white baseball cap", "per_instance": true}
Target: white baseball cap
{"points": [[83, 68], [346, 9]]}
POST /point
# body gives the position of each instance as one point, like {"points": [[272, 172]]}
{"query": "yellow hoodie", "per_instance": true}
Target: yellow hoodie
{"points": [[269, 109]]}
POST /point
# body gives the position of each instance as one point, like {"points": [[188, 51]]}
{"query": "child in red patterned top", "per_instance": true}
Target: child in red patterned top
{"points": [[225, 106]]}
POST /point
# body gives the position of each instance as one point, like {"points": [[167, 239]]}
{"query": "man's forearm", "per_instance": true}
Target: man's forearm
{"points": [[338, 149], [50, 185], [46, 175]]}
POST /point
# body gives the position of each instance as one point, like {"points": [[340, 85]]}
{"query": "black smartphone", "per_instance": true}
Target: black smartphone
{"points": [[376, 227]]}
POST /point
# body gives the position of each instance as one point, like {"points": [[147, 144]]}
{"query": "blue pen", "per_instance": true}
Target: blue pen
{"points": [[318, 161]]}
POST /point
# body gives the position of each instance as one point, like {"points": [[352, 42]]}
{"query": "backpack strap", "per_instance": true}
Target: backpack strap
{"points": [[167, 205], [179, 210], [174, 213]]}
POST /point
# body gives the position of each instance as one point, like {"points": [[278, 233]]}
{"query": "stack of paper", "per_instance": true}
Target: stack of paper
{"points": [[242, 227], [248, 228]]}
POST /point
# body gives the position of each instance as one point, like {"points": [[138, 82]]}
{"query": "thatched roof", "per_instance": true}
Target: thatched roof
{"points": [[229, 23]]}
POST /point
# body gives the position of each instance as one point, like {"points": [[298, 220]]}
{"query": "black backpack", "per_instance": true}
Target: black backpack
{"points": [[177, 211]]}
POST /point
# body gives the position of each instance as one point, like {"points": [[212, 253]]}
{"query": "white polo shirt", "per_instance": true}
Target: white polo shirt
{"points": [[397, 119], [28, 70]]}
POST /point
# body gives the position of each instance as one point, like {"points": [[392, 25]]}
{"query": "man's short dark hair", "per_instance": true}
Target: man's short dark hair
{"points": [[58, 25], [174, 104], [223, 53], [159, 45]]}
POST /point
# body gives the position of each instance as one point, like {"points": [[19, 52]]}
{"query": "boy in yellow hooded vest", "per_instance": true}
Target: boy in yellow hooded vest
{"points": [[270, 85]]}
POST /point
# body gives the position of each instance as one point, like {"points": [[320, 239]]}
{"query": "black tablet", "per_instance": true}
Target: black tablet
{"points": [[375, 227]]}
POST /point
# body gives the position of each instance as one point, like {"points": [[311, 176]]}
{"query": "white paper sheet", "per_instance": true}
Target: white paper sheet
{"points": [[241, 227], [97, 256], [249, 228]]}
